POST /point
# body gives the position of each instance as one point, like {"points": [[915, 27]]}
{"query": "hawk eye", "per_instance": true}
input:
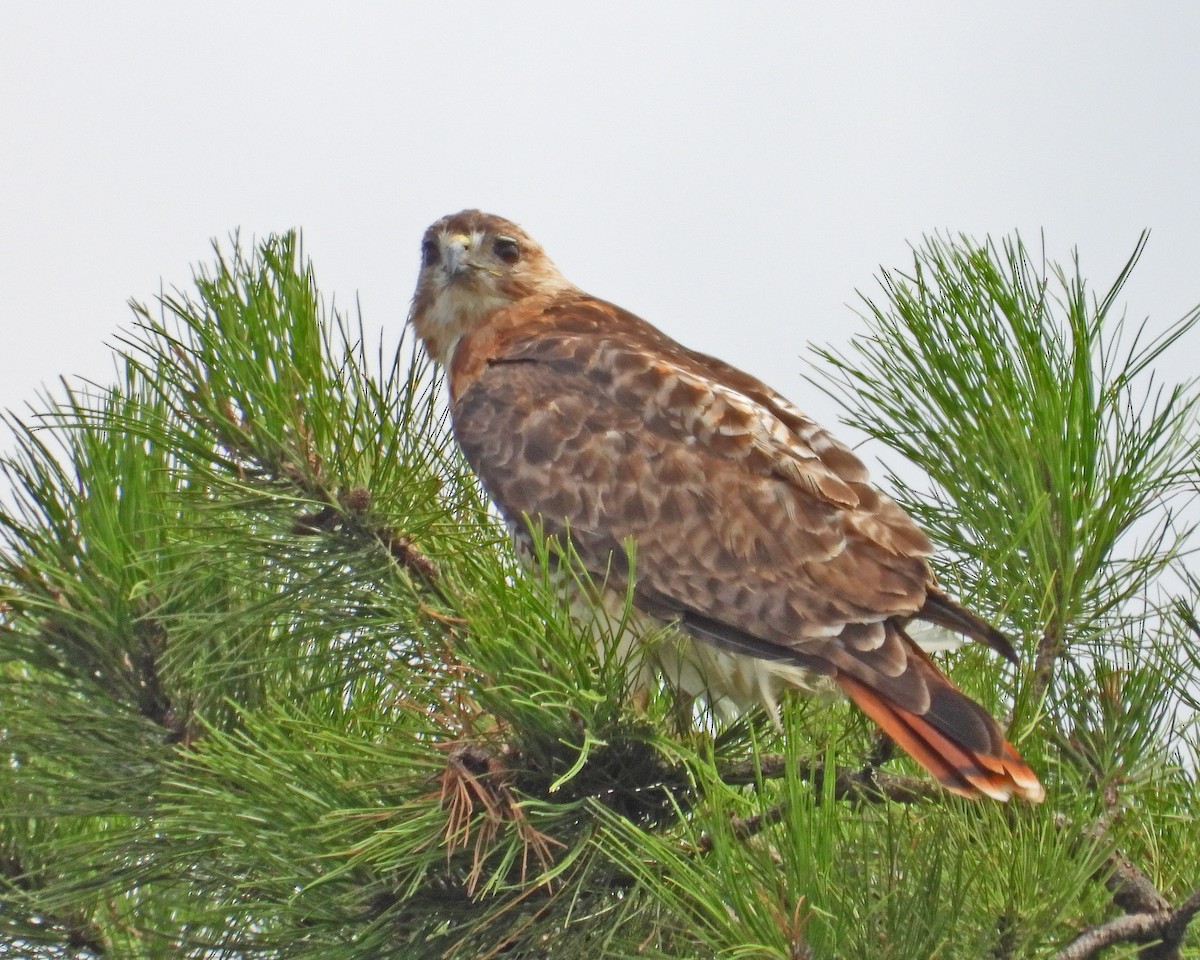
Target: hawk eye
{"points": [[506, 249], [430, 254]]}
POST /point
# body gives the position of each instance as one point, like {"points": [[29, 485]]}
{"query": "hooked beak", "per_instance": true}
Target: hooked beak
{"points": [[454, 255]]}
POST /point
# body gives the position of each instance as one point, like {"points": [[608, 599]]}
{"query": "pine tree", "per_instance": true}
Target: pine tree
{"points": [[272, 685]]}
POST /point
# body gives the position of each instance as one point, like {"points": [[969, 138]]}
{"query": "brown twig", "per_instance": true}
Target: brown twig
{"points": [[1049, 648], [348, 513], [1149, 915], [153, 701], [334, 512], [867, 784], [82, 935], [745, 827], [408, 556], [1164, 930], [1131, 889]]}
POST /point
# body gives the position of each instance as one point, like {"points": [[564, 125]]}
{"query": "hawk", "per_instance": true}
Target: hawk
{"points": [[758, 534]]}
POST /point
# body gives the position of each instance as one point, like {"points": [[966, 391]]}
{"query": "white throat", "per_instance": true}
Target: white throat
{"points": [[454, 312]]}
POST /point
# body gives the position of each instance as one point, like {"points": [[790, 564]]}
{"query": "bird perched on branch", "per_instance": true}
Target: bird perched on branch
{"points": [[758, 534]]}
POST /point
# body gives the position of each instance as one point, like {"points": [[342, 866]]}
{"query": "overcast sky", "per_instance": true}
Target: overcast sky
{"points": [[731, 172]]}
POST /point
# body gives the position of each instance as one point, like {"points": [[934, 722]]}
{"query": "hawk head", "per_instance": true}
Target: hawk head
{"points": [[474, 264]]}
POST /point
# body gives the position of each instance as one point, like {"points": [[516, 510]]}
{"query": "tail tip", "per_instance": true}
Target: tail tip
{"points": [[1012, 779]]}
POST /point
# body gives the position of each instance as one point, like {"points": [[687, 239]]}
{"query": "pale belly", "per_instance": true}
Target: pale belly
{"points": [[725, 681]]}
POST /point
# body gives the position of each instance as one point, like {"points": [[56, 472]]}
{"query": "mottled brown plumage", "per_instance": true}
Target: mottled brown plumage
{"points": [[757, 532]]}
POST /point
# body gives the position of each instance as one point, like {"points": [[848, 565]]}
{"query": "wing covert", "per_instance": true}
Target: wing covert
{"points": [[736, 518]]}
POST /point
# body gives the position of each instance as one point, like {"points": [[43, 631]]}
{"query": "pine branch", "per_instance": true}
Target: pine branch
{"points": [[410, 748], [1149, 915], [1131, 889], [1049, 648], [1044, 439], [1164, 929], [77, 933], [868, 784]]}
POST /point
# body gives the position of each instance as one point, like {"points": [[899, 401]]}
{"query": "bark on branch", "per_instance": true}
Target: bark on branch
{"points": [[868, 784], [1163, 930]]}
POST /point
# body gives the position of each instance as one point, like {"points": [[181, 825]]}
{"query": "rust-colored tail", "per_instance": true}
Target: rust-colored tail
{"points": [[955, 739]]}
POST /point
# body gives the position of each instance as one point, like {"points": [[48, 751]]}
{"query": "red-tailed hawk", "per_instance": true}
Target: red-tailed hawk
{"points": [[757, 533]]}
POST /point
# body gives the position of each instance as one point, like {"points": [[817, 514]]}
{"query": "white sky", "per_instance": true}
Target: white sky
{"points": [[733, 173]]}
